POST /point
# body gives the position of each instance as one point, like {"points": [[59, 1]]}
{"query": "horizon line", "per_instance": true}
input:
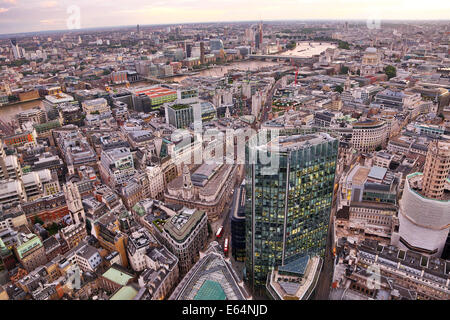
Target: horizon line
{"points": [[214, 22]]}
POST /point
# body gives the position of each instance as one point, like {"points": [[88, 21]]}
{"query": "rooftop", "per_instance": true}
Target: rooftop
{"points": [[210, 290], [295, 142], [181, 225], [117, 276], [125, 293]]}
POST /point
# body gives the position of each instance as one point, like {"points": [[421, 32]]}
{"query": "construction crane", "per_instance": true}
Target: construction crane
{"points": [[7, 128]]}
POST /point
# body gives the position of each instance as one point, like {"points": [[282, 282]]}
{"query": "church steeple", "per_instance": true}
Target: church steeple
{"points": [[74, 204], [227, 113], [347, 85], [187, 183]]}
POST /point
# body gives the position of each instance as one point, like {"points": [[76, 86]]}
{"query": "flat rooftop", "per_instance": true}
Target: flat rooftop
{"points": [[181, 225], [294, 142], [155, 92]]}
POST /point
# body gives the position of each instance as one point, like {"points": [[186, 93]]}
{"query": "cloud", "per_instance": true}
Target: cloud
{"points": [[51, 21], [48, 4], [38, 15]]}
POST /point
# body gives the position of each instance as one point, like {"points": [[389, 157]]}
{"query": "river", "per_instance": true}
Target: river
{"points": [[304, 49], [219, 71], [7, 113]]}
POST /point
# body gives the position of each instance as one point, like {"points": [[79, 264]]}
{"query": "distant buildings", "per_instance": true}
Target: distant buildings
{"points": [[17, 51], [151, 98], [98, 106], [215, 44]]}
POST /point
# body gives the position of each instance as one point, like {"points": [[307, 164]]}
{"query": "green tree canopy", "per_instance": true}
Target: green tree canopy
{"points": [[344, 70], [339, 89], [390, 71]]}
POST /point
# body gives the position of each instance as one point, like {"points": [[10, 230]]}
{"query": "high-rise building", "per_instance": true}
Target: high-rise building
{"points": [[185, 235], [202, 52], [437, 168], [257, 40], [424, 213], [288, 213], [16, 50], [215, 44], [188, 50]]}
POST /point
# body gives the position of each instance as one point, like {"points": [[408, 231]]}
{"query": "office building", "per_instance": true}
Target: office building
{"points": [[288, 209], [237, 215], [107, 231], [151, 98], [207, 189], [296, 280], [96, 106], [369, 134], [30, 251], [36, 116], [424, 219], [116, 166], [185, 235], [215, 44], [402, 274]]}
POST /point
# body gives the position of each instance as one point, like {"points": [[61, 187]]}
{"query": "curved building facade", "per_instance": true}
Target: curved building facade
{"points": [[424, 222], [369, 134]]}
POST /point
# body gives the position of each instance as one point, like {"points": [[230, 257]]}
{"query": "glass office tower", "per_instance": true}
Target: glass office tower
{"points": [[288, 213]]}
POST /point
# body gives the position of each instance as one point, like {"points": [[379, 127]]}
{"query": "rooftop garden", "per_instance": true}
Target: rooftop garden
{"points": [[180, 106]]}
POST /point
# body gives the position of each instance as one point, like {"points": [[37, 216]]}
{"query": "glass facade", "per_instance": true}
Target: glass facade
{"points": [[287, 214]]}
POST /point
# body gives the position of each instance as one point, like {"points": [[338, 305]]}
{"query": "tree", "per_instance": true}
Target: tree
{"points": [[339, 89], [344, 70], [390, 71], [12, 98], [291, 45], [358, 72], [38, 220], [343, 45]]}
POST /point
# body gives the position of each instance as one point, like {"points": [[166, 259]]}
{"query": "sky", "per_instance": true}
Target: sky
{"points": [[40, 15]]}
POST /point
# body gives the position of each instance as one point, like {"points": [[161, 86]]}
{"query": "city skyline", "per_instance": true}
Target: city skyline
{"points": [[16, 16], [253, 160]]}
